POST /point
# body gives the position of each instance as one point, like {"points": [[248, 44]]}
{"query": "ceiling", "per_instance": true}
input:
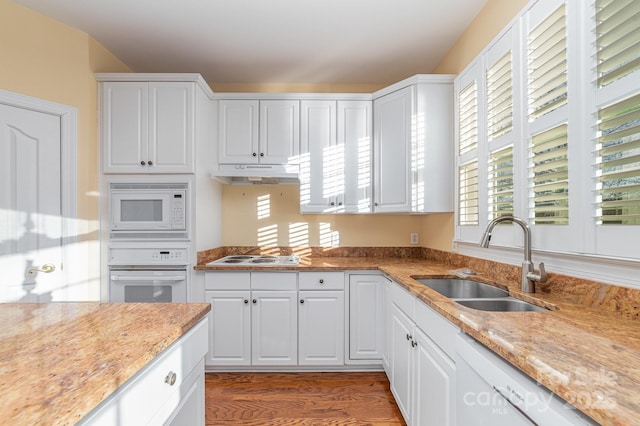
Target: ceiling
{"points": [[272, 41]]}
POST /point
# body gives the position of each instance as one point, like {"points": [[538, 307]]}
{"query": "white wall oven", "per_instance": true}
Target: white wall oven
{"points": [[148, 274], [148, 210]]}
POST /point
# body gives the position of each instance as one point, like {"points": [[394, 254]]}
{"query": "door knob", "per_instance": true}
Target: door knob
{"points": [[47, 268]]}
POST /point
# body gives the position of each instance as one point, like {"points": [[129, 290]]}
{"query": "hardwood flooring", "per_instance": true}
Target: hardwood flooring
{"points": [[300, 399]]}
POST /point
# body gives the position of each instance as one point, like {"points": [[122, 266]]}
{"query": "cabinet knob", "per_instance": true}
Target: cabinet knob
{"points": [[301, 300], [246, 301], [262, 154], [414, 343], [375, 204], [171, 378], [143, 163], [321, 281], [332, 203], [254, 154], [340, 203], [408, 336], [254, 301], [150, 163]]}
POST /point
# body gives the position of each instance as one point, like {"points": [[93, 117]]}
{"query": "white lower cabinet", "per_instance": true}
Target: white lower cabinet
{"points": [[366, 316], [321, 320], [421, 367], [229, 328], [168, 391], [274, 328]]}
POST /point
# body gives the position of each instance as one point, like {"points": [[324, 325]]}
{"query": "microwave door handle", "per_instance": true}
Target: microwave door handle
{"points": [[147, 278]]}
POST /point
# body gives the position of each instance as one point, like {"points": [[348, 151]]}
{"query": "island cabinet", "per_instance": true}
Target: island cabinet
{"points": [[169, 390], [413, 144], [252, 131], [149, 126], [421, 367], [253, 318]]}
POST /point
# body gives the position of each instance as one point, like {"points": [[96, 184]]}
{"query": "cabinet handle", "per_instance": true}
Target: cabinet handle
{"points": [[142, 163], [301, 300], [321, 281], [246, 301], [408, 336], [254, 154], [150, 163], [414, 343], [255, 301], [171, 378], [262, 154]]}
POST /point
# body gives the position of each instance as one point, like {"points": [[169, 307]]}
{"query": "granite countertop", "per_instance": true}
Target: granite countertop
{"points": [[586, 354], [60, 360]]}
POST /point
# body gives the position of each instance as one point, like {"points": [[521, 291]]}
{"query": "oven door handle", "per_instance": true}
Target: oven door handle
{"points": [[147, 278]]}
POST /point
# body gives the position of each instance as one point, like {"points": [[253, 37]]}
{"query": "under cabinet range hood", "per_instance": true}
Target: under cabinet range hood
{"points": [[248, 174]]}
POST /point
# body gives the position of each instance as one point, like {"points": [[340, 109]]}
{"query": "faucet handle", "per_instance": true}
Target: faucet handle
{"points": [[541, 277]]}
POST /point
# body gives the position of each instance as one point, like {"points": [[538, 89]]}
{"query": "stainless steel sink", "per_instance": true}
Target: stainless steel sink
{"points": [[462, 289], [501, 305]]}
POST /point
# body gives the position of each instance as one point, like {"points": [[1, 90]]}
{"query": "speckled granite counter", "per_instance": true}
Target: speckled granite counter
{"points": [[586, 348], [60, 360]]}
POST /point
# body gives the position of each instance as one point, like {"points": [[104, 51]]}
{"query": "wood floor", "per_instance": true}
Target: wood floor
{"points": [[300, 399]]}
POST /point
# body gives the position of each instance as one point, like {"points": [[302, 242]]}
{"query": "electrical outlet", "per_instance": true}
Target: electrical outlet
{"points": [[414, 238]]}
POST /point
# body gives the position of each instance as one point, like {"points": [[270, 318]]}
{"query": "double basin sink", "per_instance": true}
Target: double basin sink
{"points": [[477, 295]]}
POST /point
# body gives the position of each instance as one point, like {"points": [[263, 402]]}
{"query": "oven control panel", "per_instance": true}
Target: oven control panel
{"points": [[148, 256]]}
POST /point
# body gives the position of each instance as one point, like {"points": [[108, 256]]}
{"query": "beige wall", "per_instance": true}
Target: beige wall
{"points": [[46, 59], [269, 215]]}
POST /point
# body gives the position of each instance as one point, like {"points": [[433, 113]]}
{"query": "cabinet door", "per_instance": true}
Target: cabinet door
{"points": [[434, 384], [365, 316], [238, 131], [279, 141], [392, 151], [354, 140], [171, 126], [274, 325], [124, 126], [321, 164], [401, 360], [321, 334], [229, 328]]}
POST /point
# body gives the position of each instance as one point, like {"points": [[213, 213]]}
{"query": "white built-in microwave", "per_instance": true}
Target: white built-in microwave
{"points": [[148, 209]]}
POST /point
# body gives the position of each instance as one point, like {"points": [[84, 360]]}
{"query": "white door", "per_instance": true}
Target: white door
{"points": [[30, 206], [366, 318], [401, 359], [279, 131]]}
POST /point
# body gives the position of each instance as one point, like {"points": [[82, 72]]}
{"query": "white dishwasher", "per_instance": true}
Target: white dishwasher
{"points": [[490, 391]]}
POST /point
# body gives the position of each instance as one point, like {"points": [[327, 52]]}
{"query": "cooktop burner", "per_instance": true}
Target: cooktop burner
{"points": [[246, 260]]}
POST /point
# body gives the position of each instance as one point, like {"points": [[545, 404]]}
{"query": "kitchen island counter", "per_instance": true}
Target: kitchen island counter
{"points": [[60, 360]]}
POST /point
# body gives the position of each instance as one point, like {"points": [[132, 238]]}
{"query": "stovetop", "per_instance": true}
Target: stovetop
{"points": [[248, 260]]}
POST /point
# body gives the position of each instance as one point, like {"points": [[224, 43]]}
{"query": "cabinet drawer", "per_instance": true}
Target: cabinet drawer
{"points": [[321, 280], [438, 328], [274, 280], [403, 299], [227, 281]]}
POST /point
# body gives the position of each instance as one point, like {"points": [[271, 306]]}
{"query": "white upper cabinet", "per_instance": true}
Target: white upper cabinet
{"points": [[148, 127], [258, 131], [413, 146], [335, 160]]}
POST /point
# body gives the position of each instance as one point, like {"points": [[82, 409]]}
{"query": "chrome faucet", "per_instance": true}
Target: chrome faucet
{"points": [[529, 277]]}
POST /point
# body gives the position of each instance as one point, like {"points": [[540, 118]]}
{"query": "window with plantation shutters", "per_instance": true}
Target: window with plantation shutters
{"points": [[547, 64], [619, 163], [549, 177], [468, 118], [468, 194], [617, 39], [499, 97], [500, 180]]}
